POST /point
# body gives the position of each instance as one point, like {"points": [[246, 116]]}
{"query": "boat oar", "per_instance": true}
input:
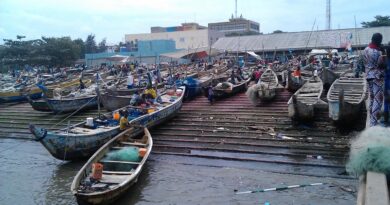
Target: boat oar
{"points": [[277, 188]]}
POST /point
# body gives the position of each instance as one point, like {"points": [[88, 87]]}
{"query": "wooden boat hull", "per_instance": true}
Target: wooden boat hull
{"points": [[302, 104], [40, 105], [328, 77], [292, 84], [300, 111], [269, 82], [267, 94], [234, 90], [81, 145], [18, 96], [111, 102], [71, 105], [346, 98], [109, 196]]}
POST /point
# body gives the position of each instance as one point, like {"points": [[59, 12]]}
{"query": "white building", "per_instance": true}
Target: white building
{"points": [[183, 39]]}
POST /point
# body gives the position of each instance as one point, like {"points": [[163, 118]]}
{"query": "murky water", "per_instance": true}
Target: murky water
{"points": [[29, 175]]}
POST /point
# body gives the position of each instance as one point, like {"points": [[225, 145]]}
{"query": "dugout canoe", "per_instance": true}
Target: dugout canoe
{"points": [[80, 141], [346, 97], [301, 105], [117, 176]]}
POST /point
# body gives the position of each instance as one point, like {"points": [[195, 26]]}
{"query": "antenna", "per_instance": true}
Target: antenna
{"points": [[328, 16], [236, 9]]}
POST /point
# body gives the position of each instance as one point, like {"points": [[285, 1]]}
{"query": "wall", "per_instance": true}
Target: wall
{"points": [[183, 39], [147, 52]]}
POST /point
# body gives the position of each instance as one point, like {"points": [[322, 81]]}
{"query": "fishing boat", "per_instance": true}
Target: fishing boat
{"points": [[346, 97], [19, 95], [301, 105], [83, 139], [71, 104], [64, 88], [268, 85], [328, 76], [222, 86], [117, 176]]}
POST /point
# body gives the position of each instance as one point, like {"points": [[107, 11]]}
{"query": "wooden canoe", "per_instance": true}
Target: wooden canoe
{"points": [[80, 141], [346, 97], [115, 180], [268, 85], [301, 105]]}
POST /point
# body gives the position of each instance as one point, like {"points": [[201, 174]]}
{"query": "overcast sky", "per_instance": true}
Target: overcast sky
{"points": [[112, 19]]}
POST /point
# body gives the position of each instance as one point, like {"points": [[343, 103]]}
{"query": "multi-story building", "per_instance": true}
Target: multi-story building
{"points": [[236, 26], [187, 36]]}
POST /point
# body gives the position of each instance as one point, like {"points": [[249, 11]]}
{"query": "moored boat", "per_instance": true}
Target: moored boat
{"points": [[82, 140], [346, 97], [118, 174], [301, 105], [268, 85]]}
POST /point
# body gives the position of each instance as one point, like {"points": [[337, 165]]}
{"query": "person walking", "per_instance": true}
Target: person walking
{"points": [[374, 64]]}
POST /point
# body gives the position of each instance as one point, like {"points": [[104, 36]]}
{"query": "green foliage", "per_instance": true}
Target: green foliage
{"points": [[379, 21], [46, 51], [278, 31], [90, 44]]}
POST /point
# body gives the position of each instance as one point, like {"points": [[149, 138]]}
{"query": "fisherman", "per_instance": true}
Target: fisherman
{"points": [[135, 99], [210, 94], [130, 81], [82, 85], [151, 91], [297, 73], [375, 65], [123, 122], [233, 77]]}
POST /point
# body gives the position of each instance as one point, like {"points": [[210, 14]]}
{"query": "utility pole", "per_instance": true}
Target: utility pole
{"points": [[236, 9], [328, 15]]}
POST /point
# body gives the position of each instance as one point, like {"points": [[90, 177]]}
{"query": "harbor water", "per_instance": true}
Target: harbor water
{"points": [[29, 175]]}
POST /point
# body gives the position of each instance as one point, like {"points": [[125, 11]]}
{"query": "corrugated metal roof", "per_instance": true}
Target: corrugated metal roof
{"points": [[300, 40]]}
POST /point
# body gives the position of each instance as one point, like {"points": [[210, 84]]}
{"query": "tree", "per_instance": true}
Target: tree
{"points": [[379, 21], [80, 43], [62, 51], [278, 31], [90, 44], [102, 46]]}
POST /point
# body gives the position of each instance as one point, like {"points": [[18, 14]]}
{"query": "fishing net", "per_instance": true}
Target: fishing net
{"points": [[128, 154], [252, 94], [370, 151]]}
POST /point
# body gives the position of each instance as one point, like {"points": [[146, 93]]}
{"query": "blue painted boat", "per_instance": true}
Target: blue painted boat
{"points": [[80, 141]]}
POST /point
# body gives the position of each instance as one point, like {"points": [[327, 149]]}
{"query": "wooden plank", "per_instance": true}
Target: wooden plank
{"points": [[113, 179], [133, 143], [119, 162], [376, 189], [362, 190], [117, 173]]}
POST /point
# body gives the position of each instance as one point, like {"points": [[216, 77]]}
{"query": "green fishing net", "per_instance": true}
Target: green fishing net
{"points": [[370, 151], [128, 154]]}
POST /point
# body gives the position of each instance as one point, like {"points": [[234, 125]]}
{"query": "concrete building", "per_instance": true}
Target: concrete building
{"points": [[236, 26], [183, 27], [300, 42], [145, 52], [187, 36]]}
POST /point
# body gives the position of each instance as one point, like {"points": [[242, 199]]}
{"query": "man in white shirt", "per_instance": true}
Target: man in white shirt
{"points": [[130, 81]]}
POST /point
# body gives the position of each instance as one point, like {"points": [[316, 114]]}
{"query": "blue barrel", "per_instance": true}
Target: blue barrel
{"points": [[123, 49]]}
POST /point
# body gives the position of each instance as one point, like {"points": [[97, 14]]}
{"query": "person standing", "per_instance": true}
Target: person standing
{"points": [[130, 81], [375, 77]]}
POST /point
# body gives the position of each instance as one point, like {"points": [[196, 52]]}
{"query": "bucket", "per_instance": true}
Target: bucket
{"points": [[116, 116], [142, 152], [89, 122], [97, 171]]}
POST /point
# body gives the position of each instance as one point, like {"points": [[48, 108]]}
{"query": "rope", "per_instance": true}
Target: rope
{"points": [[277, 188]]}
